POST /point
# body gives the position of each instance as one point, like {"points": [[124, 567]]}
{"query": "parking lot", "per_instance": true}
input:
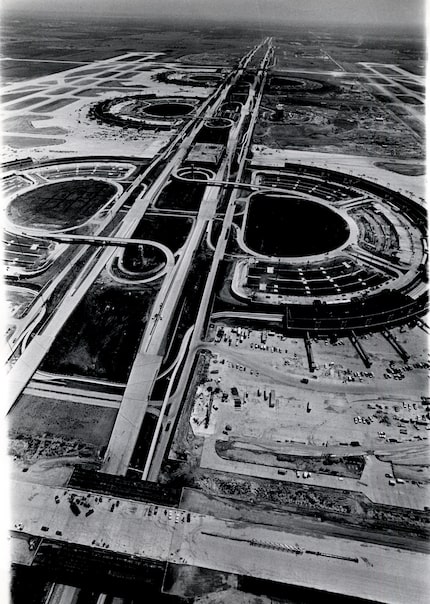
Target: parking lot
{"points": [[336, 361], [257, 406]]}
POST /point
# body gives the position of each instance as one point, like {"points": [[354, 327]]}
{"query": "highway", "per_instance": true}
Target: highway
{"points": [[48, 290], [98, 240], [149, 357], [73, 394], [341, 565], [251, 107], [33, 355], [166, 400]]}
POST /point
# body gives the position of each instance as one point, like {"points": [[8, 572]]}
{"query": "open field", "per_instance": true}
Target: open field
{"points": [[20, 41], [181, 196], [279, 226], [60, 205], [171, 231], [16, 71], [26, 142], [101, 337]]}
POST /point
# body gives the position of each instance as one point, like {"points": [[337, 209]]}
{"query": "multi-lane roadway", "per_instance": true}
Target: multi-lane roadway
{"points": [[337, 565], [149, 358], [250, 108], [171, 158]]}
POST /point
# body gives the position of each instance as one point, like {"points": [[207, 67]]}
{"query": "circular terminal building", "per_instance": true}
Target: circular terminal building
{"points": [[280, 84], [140, 111], [193, 78], [329, 251], [48, 201]]}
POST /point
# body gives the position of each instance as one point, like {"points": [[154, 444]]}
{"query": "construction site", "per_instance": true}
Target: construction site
{"points": [[216, 269]]}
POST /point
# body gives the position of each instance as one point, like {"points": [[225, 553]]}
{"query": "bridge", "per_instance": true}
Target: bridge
{"points": [[98, 240]]}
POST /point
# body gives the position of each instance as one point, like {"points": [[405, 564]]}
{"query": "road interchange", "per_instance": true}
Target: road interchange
{"points": [[147, 367]]}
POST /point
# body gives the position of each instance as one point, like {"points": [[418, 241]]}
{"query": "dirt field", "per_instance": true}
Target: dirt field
{"points": [[25, 124], [208, 502], [36, 416], [192, 581], [26, 142]]}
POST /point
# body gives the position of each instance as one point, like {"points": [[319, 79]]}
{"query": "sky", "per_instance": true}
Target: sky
{"points": [[408, 13]]}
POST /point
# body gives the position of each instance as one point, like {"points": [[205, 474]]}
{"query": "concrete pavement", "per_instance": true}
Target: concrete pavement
{"points": [[369, 571]]}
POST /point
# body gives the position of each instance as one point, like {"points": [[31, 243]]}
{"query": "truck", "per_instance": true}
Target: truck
{"points": [[75, 509], [272, 398]]}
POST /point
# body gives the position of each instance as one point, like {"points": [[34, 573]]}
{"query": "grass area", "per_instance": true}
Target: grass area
{"points": [[280, 226], [215, 231], [143, 259], [20, 578], [57, 104], [60, 205], [141, 450], [171, 231], [181, 196], [27, 103], [14, 96], [101, 337], [166, 109], [185, 314], [14, 71]]}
